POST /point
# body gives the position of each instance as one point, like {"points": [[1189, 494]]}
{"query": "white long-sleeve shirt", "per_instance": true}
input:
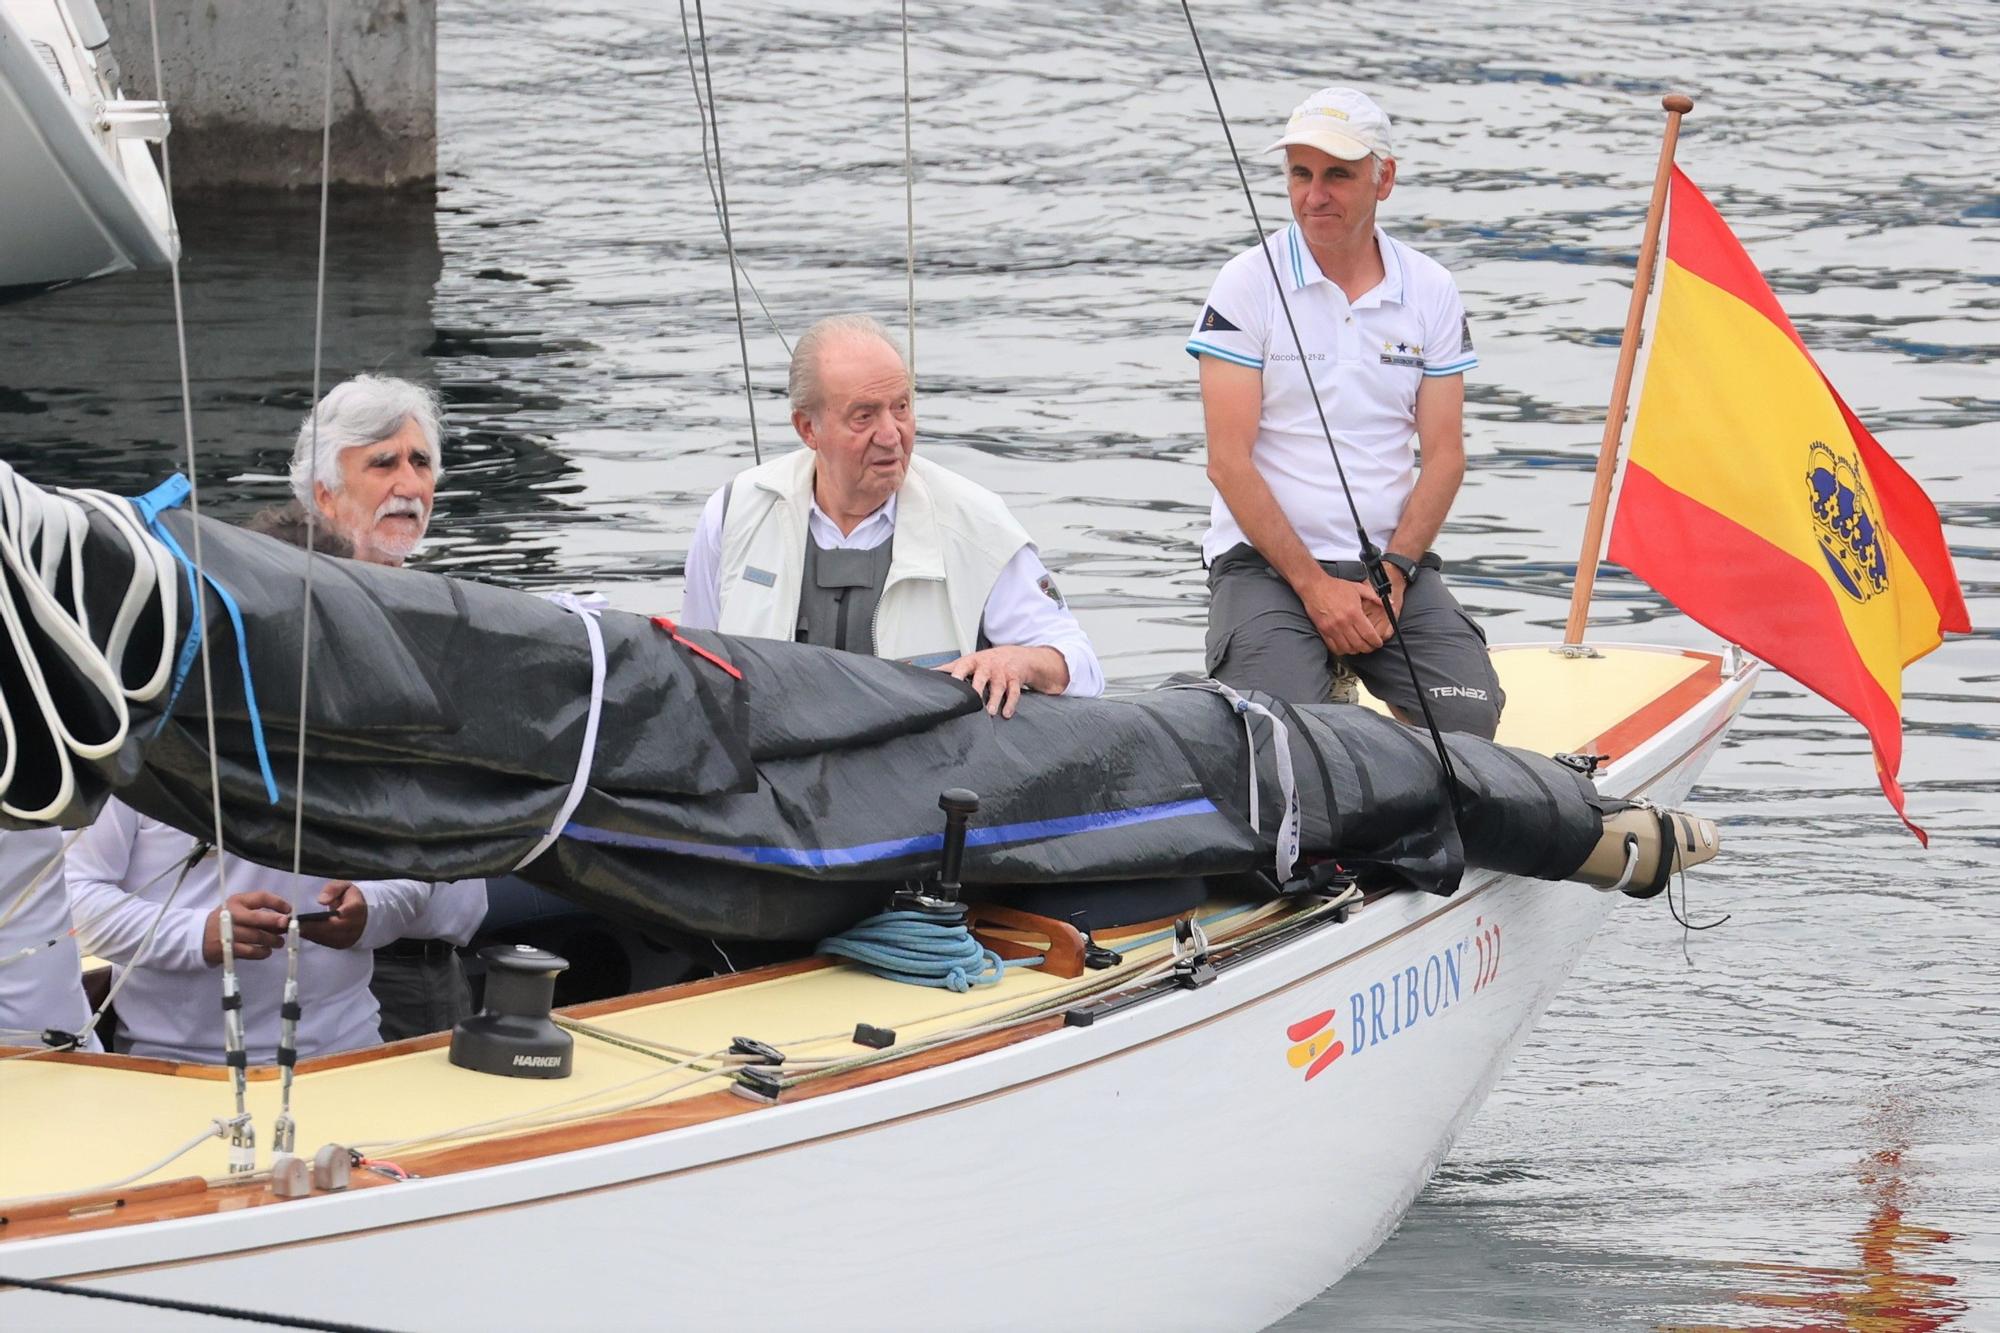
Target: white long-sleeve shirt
{"points": [[452, 911], [1023, 608], [42, 989], [125, 867]]}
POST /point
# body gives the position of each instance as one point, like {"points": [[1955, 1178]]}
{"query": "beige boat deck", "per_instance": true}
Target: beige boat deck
{"points": [[75, 1122]]}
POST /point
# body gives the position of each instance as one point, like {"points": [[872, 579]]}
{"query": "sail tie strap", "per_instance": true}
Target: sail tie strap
{"points": [[922, 950], [167, 495], [1288, 836], [587, 752]]}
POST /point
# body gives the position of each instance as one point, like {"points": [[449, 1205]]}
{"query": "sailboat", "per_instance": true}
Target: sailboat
{"points": [[1195, 1120], [1198, 1120], [83, 198]]}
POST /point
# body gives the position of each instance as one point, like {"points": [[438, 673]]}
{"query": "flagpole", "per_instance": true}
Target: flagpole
{"points": [[1676, 106]]}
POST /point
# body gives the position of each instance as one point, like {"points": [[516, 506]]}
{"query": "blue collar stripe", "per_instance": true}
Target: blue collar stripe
{"points": [[822, 858]]}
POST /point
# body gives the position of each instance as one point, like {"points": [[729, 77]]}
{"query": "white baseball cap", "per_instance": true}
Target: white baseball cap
{"points": [[1339, 121]]}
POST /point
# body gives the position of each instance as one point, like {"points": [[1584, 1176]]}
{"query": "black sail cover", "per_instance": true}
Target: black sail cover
{"points": [[738, 787]]}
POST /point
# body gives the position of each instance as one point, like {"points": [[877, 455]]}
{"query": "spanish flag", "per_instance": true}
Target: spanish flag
{"points": [[1758, 504]]}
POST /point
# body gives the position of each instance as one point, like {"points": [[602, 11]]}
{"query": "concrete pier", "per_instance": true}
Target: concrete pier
{"points": [[245, 86]]}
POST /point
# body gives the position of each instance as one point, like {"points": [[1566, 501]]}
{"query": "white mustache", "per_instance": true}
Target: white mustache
{"points": [[402, 505]]}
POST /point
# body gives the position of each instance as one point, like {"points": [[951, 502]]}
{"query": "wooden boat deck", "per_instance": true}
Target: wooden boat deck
{"points": [[72, 1121]]}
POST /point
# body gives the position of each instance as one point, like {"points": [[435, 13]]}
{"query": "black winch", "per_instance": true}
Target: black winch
{"points": [[512, 1034]]}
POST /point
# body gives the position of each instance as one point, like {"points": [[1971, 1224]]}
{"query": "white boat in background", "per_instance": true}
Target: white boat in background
{"points": [[81, 196], [1164, 1142]]}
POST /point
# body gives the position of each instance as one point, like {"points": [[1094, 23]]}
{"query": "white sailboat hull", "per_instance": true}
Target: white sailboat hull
{"points": [[1188, 1162], [78, 201]]}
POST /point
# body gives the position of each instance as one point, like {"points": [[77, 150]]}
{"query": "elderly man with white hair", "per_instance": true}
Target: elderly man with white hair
{"points": [[367, 464], [367, 461], [855, 542]]}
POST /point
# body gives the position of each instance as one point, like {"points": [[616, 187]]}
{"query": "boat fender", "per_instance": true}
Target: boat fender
{"points": [[879, 1039], [513, 1035]]}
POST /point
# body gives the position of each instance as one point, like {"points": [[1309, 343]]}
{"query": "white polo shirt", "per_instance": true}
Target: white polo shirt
{"points": [[1367, 359]]}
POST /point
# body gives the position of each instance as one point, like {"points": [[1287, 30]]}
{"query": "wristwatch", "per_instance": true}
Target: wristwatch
{"points": [[1403, 563]]}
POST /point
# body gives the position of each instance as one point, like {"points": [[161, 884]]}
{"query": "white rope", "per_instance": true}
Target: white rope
{"points": [[587, 752], [217, 1128]]}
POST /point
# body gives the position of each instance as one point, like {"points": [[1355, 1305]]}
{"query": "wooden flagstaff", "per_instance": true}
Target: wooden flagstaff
{"points": [[1676, 106]]}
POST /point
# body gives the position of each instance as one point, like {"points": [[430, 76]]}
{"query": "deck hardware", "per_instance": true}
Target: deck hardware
{"points": [[332, 1167], [959, 805], [291, 1177], [1192, 970], [1096, 957], [1079, 1018], [1575, 650], [880, 1039], [513, 1034], [759, 1052], [1586, 764], [758, 1083], [58, 1040]]}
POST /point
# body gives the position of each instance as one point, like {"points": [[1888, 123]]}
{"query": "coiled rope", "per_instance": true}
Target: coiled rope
{"points": [[922, 950]]}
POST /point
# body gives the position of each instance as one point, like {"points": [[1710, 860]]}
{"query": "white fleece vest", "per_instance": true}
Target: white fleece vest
{"points": [[953, 537]]}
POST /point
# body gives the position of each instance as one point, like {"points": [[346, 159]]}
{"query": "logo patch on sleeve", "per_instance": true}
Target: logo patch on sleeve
{"points": [[1214, 321], [1047, 584], [1465, 333]]}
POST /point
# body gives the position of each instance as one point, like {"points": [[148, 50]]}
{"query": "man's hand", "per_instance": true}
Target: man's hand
{"points": [[258, 926], [1348, 615], [343, 929], [999, 675]]}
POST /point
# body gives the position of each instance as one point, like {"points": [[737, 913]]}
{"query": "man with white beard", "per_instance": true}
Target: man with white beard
{"points": [[367, 460]]}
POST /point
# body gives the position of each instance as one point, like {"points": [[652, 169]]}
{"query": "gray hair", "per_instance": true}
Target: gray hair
{"points": [[365, 410], [803, 384]]}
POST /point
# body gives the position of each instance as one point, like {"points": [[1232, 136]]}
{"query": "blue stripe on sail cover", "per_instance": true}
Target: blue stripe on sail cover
{"points": [[826, 857]]}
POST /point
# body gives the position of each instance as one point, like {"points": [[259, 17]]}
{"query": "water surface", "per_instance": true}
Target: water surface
{"points": [[1788, 1122]]}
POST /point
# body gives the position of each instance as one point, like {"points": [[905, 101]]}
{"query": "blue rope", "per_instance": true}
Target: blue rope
{"points": [[168, 495], [921, 950]]}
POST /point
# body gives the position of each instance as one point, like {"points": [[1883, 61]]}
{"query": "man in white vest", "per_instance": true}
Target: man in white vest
{"points": [[855, 543]]}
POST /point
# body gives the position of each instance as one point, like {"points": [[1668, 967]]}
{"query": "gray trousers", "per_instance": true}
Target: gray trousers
{"points": [[1260, 638], [419, 995]]}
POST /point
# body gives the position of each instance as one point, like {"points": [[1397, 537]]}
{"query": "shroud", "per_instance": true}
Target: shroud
{"points": [[740, 788]]}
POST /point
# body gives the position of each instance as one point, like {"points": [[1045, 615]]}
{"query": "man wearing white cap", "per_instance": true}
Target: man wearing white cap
{"points": [[1384, 337]]}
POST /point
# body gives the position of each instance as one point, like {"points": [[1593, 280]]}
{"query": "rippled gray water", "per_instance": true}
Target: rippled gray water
{"points": [[1793, 1124]]}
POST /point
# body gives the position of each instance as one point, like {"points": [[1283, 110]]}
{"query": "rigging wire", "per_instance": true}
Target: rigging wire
{"points": [[239, 1075], [728, 235], [1371, 556], [286, 1128], [703, 111], [909, 202]]}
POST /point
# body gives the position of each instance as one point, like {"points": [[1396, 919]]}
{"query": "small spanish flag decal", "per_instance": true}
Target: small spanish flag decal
{"points": [[1314, 1045]]}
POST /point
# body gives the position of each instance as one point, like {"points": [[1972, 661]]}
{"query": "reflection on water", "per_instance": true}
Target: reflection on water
{"points": [[1888, 1289], [568, 294]]}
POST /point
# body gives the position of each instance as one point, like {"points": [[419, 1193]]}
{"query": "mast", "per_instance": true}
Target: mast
{"points": [[1676, 105]]}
